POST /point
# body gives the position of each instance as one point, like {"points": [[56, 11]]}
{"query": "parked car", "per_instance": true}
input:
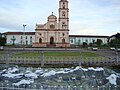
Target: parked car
{"points": [[94, 49], [112, 48], [118, 49], [1, 48]]}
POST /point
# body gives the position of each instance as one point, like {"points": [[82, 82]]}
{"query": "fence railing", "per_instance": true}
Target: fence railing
{"points": [[35, 87], [76, 60]]}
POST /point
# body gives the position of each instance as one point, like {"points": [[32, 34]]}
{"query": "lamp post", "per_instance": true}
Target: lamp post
{"points": [[24, 34]]}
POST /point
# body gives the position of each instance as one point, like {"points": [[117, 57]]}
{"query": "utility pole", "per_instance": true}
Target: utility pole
{"points": [[24, 35]]}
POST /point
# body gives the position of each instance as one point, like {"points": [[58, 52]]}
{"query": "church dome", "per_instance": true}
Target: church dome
{"points": [[52, 16]]}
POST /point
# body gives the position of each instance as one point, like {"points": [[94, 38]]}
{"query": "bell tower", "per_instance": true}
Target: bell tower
{"points": [[63, 15]]}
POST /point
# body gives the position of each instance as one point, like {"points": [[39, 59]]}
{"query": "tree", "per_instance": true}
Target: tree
{"points": [[84, 44], [91, 44], [13, 39], [2, 41], [115, 43], [117, 36], [99, 42], [0, 34]]}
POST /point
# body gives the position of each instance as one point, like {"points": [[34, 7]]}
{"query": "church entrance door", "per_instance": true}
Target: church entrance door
{"points": [[51, 41]]}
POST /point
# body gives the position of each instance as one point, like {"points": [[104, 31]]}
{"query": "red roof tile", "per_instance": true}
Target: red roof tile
{"points": [[19, 33]]}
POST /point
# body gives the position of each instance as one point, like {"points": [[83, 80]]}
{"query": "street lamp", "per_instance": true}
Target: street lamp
{"points": [[24, 34]]}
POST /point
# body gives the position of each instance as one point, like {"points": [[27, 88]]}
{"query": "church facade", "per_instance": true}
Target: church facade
{"points": [[54, 33]]}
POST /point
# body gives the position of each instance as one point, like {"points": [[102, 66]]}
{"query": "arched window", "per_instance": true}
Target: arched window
{"points": [[30, 42], [64, 26], [86, 41], [63, 13], [93, 41], [21, 42], [51, 40], [63, 40], [40, 34], [21, 37], [40, 40], [71, 41], [63, 5], [79, 41], [63, 34], [26, 42], [63, 23], [52, 26]]}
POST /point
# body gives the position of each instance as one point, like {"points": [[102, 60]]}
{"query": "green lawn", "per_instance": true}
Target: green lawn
{"points": [[89, 54], [62, 55], [37, 54], [28, 54]]}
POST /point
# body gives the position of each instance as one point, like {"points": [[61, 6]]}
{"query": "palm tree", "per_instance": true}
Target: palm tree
{"points": [[13, 39]]}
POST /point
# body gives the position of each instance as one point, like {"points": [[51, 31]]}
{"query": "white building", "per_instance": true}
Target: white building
{"points": [[20, 38], [80, 39]]}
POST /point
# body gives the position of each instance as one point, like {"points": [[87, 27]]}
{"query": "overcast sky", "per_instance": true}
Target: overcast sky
{"points": [[87, 17]]}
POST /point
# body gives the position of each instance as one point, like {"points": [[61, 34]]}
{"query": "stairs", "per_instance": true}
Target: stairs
{"points": [[51, 45]]}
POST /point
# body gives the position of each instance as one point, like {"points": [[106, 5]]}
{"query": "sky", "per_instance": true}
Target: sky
{"points": [[87, 17]]}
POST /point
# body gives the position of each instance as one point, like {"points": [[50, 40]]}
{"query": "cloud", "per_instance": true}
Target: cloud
{"points": [[95, 16], [14, 13], [86, 16]]}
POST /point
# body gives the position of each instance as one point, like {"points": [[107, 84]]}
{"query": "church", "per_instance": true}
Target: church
{"points": [[54, 33]]}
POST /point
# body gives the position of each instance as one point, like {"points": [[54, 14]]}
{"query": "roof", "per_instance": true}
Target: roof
{"points": [[19, 33], [116, 35], [33, 33], [52, 16], [98, 36]]}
